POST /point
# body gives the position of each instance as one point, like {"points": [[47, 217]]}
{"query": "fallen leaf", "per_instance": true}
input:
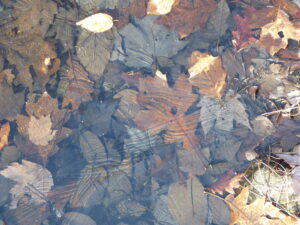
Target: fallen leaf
{"points": [[160, 7], [242, 36], [31, 179], [91, 5], [166, 108], [274, 35], [94, 50], [39, 130], [74, 85], [288, 6], [288, 131], [188, 16], [4, 133], [142, 42], [260, 211], [207, 73], [77, 218], [228, 182], [96, 23], [187, 202], [221, 114]]}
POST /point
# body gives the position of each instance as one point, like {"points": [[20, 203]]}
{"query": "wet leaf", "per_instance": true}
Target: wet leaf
{"points": [[260, 211], [88, 5], [94, 50], [4, 133], [274, 35], [187, 202], [221, 115], [161, 211], [160, 7], [75, 84], [143, 41], [228, 182], [31, 179], [77, 218], [96, 23], [188, 16], [165, 109], [207, 73]]}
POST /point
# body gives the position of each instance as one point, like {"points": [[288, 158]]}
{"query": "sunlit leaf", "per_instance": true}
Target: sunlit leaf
{"points": [[159, 7], [4, 133], [96, 23]]}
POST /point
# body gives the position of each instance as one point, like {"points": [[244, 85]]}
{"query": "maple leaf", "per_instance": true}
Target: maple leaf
{"points": [[188, 16], [4, 133], [274, 35], [258, 212], [242, 35], [206, 73], [166, 108], [30, 178]]}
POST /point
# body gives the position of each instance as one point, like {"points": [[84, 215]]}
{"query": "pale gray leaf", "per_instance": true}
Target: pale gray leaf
{"points": [[89, 5]]}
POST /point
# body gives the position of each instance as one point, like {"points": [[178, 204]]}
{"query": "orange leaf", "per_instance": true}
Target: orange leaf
{"points": [[188, 16], [4, 133], [207, 73]]}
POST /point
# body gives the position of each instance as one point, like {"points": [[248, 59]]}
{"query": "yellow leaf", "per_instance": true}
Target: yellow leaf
{"points": [[4, 133], [159, 7], [96, 23], [258, 212], [274, 36]]}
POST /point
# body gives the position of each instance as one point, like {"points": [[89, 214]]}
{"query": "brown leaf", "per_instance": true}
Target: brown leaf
{"points": [[228, 182], [207, 73], [166, 108], [79, 86], [289, 133], [260, 211], [187, 202], [288, 6], [188, 16], [274, 35], [4, 133], [30, 178]]}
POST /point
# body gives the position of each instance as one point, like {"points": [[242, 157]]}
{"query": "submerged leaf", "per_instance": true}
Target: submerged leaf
{"points": [[159, 7], [89, 5], [4, 133], [143, 41], [94, 50], [96, 23], [31, 179]]}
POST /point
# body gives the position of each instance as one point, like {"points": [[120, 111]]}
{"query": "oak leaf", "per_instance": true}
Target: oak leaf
{"points": [[188, 16], [258, 212], [165, 109], [30, 178], [207, 73], [4, 133], [274, 35]]}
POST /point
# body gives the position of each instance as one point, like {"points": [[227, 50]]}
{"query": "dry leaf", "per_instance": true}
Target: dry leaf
{"points": [[274, 35], [228, 182], [160, 7], [166, 108], [206, 73], [4, 133], [31, 179], [188, 16], [97, 23], [260, 211]]}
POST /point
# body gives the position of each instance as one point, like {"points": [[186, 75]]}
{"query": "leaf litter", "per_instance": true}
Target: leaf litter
{"points": [[152, 118]]}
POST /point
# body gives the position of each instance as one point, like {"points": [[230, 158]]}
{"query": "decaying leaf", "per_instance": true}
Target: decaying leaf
{"points": [[274, 35], [90, 5], [94, 50], [166, 108], [260, 211], [143, 41], [77, 218], [289, 133], [187, 202], [31, 179], [159, 7], [96, 23], [39, 130], [206, 73], [4, 133], [74, 85], [220, 115], [228, 182], [188, 16]]}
